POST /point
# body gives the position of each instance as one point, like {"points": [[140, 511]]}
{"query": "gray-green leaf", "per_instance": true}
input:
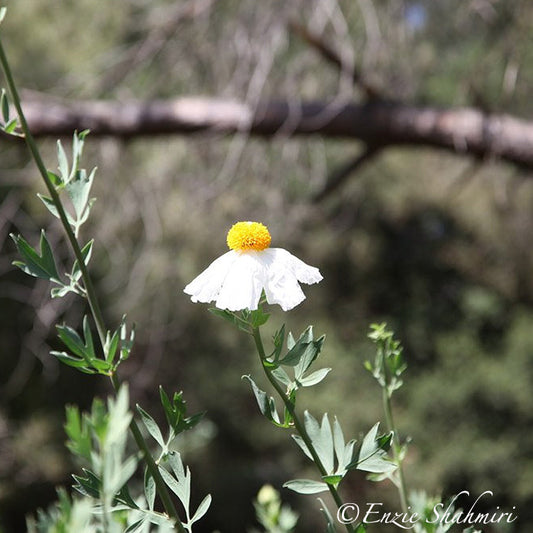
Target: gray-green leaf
{"points": [[306, 486]]}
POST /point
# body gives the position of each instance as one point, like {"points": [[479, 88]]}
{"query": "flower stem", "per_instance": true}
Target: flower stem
{"points": [[87, 281], [396, 447], [298, 424]]}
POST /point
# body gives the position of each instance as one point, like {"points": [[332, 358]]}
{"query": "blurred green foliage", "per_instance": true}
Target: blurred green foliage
{"points": [[436, 245]]}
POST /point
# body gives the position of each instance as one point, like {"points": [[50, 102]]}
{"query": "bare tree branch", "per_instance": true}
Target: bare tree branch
{"points": [[340, 175], [155, 40], [466, 131], [333, 57]]}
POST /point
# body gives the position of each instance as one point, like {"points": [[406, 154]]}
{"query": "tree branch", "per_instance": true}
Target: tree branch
{"points": [[340, 175], [332, 56], [466, 131]]}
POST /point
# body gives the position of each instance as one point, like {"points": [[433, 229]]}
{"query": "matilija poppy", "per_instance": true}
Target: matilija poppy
{"points": [[236, 280]]}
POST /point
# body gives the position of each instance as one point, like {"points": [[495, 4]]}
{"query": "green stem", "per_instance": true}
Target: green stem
{"points": [[396, 447], [89, 287], [152, 466], [105, 514], [299, 426], [30, 141]]}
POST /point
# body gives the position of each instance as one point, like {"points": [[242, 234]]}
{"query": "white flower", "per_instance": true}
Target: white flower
{"points": [[236, 279]]}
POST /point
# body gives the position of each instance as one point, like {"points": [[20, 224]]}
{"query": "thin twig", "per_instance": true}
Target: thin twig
{"points": [[332, 56], [340, 175], [153, 43]]}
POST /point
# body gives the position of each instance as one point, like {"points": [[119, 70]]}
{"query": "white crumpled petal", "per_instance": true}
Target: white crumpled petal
{"points": [[243, 284], [236, 280], [206, 287], [284, 272]]}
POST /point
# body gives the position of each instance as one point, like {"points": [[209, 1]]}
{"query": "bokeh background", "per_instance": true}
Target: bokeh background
{"points": [[436, 244]]}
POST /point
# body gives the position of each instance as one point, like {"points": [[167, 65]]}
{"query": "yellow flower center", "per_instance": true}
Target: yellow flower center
{"points": [[246, 236]]}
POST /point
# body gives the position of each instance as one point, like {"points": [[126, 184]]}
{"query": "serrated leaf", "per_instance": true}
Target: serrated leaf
{"points": [[80, 364], [302, 445], [89, 485], [348, 453], [314, 378], [89, 344], [308, 357], [202, 509], [110, 346], [330, 523], [306, 486], [191, 421], [62, 162], [78, 141], [38, 265], [167, 406], [322, 439], [126, 341], [258, 318], [338, 444], [68, 359], [86, 253], [49, 204], [230, 316], [174, 459], [372, 457], [121, 474], [102, 366], [149, 489], [175, 412], [290, 341], [74, 343], [369, 442], [99, 418], [48, 257], [278, 340], [223, 313], [266, 404], [132, 528], [119, 417], [151, 425], [78, 189], [72, 340], [296, 351], [180, 487], [85, 214], [78, 432], [282, 376], [293, 357]]}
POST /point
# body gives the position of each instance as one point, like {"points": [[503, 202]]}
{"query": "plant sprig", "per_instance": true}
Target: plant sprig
{"points": [[77, 183], [322, 442]]}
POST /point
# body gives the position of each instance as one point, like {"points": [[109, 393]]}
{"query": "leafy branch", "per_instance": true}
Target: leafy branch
{"points": [[76, 182], [322, 442]]}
